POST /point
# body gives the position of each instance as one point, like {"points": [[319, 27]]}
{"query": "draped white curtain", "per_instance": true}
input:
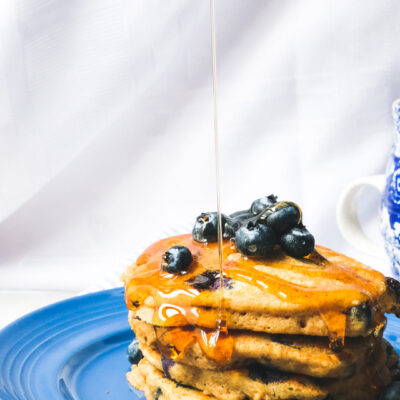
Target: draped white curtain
{"points": [[106, 140]]}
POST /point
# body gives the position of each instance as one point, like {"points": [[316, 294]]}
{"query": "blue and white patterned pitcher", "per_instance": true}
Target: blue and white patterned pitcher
{"points": [[389, 186], [390, 206]]}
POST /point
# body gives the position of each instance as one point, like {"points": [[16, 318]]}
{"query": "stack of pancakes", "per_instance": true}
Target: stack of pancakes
{"points": [[296, 329]]}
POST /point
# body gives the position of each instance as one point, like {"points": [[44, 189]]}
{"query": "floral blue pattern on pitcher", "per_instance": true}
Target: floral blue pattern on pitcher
{"points": [[390, 206]]}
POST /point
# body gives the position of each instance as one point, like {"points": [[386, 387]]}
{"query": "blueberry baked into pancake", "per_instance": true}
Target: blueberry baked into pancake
{"points": [[281, 318]]}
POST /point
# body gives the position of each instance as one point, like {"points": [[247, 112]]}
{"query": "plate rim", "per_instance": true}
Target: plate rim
{"points": [[26, 343]]}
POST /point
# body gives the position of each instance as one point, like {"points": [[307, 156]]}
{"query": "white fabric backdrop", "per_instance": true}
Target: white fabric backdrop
{"points": [[106, 121]]}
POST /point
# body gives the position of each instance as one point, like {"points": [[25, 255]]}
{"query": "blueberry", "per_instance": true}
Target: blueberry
{"points": [[394, 285], [236, 221], [209, 280], [158, 394], [392, 392], [255, 240], [133, 352], [361, 313], [297, 243], [396, 374], [205, 280], [177, 259], [336, 345], [167, 363], [283, 217], [262, 203], [206, 227]]}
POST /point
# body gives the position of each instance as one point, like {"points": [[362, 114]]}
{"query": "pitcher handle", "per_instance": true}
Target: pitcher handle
{"points": [[347, 217]]}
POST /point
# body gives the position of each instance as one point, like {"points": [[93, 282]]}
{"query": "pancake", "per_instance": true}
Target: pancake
{"points": [[156, 386], [258, 382], [324, 294], [357, 323], [306, 355], [154, 383]]}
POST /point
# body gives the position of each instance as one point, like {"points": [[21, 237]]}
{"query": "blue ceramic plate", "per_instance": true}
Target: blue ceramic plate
{"points": [[75, 350]]}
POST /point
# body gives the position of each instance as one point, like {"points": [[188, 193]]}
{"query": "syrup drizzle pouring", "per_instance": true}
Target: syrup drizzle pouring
{"points": [[221, 323], [215, 342]]}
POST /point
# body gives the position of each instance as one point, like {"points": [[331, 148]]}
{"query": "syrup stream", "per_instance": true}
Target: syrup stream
{"points": [[221, 320]]}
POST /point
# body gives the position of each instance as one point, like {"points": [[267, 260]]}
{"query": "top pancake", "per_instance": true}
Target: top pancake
{"points": [[329, 291]]}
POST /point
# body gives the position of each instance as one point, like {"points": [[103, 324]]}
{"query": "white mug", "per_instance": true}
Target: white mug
{"points": [[347, 217]]}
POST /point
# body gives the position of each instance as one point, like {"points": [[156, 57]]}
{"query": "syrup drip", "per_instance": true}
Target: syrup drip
{"points": [[216, 344], [176, 303]]}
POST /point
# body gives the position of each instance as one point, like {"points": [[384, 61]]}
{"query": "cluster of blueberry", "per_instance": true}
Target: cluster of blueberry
{"points": [[257, 230]]}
